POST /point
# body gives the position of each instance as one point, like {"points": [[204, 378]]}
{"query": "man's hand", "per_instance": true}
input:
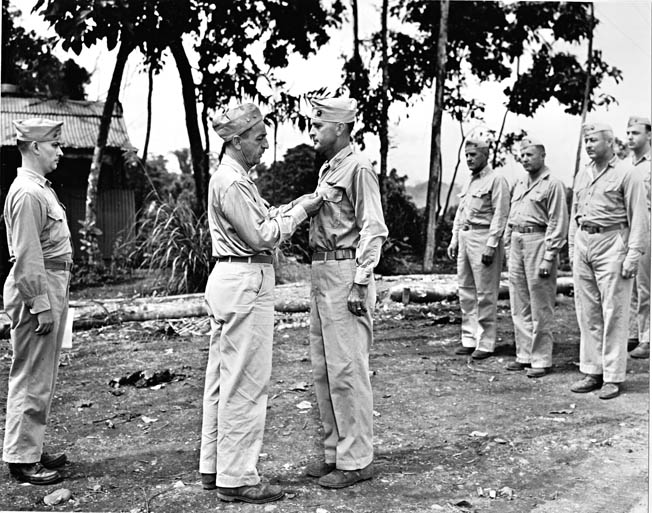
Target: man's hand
{"points": [[452, 251], [488, 255], [311, 204], [45, 322], [628, 269], [544, 268], [357, 300]]}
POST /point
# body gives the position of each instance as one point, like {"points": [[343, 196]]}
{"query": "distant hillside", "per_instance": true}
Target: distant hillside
{"points": [[420, 191]]}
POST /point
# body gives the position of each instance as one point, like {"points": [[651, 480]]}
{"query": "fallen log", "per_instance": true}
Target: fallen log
{"points": [[292, 297], [432, 288]]}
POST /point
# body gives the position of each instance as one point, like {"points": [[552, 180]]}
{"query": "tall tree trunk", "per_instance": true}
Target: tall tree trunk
{"points": [[89, 231], [587, 91], [199, 168], [384, 106], [435, 141], [502, 125], [150, 91], [457, 166]]}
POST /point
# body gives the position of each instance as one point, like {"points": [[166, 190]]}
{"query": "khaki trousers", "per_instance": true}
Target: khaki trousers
{"points": [[34, 369], [478, 289], [240, 299], [339, 350], [639, 322], [602, 303], [532, 299]]}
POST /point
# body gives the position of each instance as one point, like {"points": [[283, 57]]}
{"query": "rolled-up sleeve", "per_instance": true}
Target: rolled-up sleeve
{"points": [[500, 199], [369, 218], [557, 228], [260, 228], [29, 217]]}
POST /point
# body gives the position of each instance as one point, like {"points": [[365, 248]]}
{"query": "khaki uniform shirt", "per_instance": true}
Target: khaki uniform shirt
{"points": [[351, 216], [616, 195], [241, 222], [645, 164], [484, 201], [37, 229], [542, 203]]}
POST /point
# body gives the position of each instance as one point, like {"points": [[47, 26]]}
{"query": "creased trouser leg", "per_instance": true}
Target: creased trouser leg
{"points": [[339, 347], [602, 300], [484, 279], [519, 298], [643, 294], [240, 298], [34, 369]]}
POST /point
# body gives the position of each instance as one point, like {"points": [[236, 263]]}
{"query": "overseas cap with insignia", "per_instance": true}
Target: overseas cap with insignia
{"points": [[528, 141], [335, 110], [237, 121], [38, 129], [592, 128], [639, 120], [477, 141]]}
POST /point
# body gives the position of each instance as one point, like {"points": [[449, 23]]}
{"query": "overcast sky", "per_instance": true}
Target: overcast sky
{"points": [[623, 35]]}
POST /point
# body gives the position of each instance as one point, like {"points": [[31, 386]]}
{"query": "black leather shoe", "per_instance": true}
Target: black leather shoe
{"points": [[53, 461], [464, 350], [537, 372], [208, 481], [33, 473], [319, 468], [343, 478], [479, 354], [258, 494]]}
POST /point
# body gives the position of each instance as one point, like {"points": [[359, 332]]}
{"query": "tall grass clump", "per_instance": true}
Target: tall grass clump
{"points": [[173, 240]]}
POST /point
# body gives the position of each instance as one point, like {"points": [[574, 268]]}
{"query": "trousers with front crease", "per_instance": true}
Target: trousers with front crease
{"points": [[639, 322], [240, 300], [34, 369], [602, 299], [532, 299], [478, 289], [339, 349]]}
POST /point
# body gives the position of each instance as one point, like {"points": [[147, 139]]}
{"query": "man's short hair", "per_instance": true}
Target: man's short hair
{"points": [[23, 146]]}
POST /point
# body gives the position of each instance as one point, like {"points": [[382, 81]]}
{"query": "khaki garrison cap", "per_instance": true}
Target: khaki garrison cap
{"points": [[38, 129], [527, 141], [592, 128], [639, 120], [335, 110], [477, 142], [237, 121]]}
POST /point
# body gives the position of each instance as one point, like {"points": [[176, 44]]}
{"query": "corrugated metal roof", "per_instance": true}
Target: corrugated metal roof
{"points": [[81, 120]]}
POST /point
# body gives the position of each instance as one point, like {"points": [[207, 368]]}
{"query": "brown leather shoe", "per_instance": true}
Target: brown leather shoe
{"points": [[258, 494], [464, 350], [586, 384], [208, 481], [479, 354], [641, 351], [53, 461], [609, 391], [319, 468], [343, 478], [33, 473], [516, 366]]}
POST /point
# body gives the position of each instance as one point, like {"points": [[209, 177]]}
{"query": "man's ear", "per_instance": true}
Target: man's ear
{"points": [[237, 142], [339, 129]]}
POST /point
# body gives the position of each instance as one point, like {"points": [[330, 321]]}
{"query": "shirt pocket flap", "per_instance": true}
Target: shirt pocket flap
{"points": [[332, 192], [55, 212]]}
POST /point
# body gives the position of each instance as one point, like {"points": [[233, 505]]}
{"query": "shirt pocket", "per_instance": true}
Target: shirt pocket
{"points": [[611, 196], [57, 228], [333, 194], [479, 200]]}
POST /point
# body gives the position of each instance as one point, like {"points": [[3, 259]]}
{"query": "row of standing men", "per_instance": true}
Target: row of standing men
{"points": [[347, 231], [608, 237]]}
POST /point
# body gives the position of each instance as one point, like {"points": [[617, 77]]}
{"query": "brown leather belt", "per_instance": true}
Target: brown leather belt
{"points": [[469, 226], [57, 265], [591, 228], [253, 259], [338, 254], [532, 228]]}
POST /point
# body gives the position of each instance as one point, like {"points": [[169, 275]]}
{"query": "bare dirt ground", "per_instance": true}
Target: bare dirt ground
{"points": [[450, 434]]}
